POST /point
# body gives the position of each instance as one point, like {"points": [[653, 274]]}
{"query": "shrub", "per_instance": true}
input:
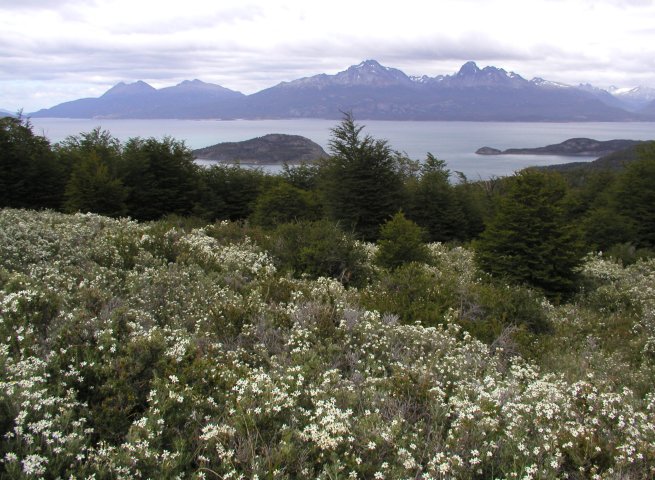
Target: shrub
{"points": [[401, 242], [318, 249]]}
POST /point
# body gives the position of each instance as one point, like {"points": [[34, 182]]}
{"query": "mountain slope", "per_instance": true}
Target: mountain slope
{"points": [[634, 99], [189, 99], [372, 91], [649, 110], [612, 161]]}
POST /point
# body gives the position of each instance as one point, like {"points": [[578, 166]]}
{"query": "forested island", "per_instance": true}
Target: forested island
{"points": [[363, 316], [581, 147], [271, 149]]}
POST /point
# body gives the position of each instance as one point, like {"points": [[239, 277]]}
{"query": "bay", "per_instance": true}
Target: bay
{"points": [[454, 142]]}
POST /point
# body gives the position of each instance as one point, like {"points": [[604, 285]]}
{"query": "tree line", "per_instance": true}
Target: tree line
{"points": [[533, 227]]}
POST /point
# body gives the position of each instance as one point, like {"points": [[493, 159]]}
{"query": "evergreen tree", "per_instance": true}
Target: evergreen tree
{"points": [[91, 188], [361, 183], [284, 203], [229, 192], [304, 175], [401, 242], [30, 174], [529, 240], [635, 195], [161, 178], [434, 204]]}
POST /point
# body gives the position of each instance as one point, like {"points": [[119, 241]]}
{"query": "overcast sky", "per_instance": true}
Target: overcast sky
{"points": [[57, 50]]}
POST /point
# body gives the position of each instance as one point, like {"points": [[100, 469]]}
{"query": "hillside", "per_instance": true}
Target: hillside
{"points": [[616, 161], [271, 149], [573, 147], [147, 350]]}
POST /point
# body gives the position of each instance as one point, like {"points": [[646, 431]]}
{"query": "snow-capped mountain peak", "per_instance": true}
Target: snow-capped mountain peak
{"points": [[540, 82]]}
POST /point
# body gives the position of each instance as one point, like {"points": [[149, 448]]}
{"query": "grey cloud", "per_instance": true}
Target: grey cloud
{"points": [[210, 19]]}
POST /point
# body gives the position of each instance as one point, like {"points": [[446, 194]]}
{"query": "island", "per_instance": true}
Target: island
{"points": [[271, 149], [573, 147]]}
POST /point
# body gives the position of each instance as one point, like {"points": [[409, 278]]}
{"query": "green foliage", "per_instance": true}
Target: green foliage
{"points": [[528, 240], [361, 183], [414, 293], [401, 241], [303, 176], [161, 178], [434, 204], [30, 175], [284, 203], [628, 254], [318, 249], [91, 188], [230, 191], [635, 195], [604, 227]]}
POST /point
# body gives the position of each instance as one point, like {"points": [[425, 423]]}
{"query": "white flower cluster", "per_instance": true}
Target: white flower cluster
{"points": [[193, 358]]}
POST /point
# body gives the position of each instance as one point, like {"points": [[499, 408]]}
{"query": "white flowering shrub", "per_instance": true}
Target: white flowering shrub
{"points": [[140, 351]]}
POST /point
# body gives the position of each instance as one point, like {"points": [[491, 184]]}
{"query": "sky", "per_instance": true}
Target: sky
{"points": [[53, 51]]}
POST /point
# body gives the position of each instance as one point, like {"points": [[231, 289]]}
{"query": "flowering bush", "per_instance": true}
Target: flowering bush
{"points": [[134, 350]]}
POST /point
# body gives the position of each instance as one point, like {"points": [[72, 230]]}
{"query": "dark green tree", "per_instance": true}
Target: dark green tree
{"points": [[284, 203], [635, 195], [434, 204], [319, 248], [528, 240], [91, 188], [304, 175], [30, 174], [469, 199], [161, 178], [98, 142], [401, 241], [229, 192], [361, 182]]}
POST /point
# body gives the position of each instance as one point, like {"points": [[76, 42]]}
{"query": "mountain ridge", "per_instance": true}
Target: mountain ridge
{"points": [[369, 90]]}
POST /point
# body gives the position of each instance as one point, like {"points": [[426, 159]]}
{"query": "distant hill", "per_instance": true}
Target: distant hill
{"points": [[275, 148], [189, 99], [577, 147], [6, 113], [612, 161], [368, 90]]}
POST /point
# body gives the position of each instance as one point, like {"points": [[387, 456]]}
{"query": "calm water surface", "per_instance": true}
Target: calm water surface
{"points": [[454, 142]]}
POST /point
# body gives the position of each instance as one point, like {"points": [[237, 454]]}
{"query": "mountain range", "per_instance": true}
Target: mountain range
{"points": [[373, 91]]}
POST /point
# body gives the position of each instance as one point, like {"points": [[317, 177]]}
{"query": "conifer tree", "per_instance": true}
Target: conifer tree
{"points": [[284, 203], [635, 196], [360, 183], [30, 175], [434, 204], [91, 188], [161, 178], [401, 242], [528, 240]]}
